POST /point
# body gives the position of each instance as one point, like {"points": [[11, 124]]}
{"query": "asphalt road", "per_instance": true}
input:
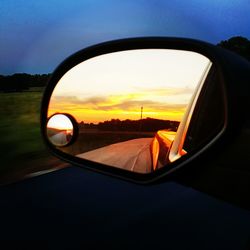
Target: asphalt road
{"points": [[133, 155]]}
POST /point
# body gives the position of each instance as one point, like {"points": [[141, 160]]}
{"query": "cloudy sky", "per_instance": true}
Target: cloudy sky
{"points": [[36, 35]]}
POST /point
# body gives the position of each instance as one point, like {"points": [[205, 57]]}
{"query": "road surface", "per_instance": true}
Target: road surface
{"points": [[133, 155]]}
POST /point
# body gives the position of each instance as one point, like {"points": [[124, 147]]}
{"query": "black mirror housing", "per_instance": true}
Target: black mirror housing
{"points": [[219, 111]]}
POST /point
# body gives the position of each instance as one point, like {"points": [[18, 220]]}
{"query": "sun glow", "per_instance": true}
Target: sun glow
{"points": [[60, 122]]}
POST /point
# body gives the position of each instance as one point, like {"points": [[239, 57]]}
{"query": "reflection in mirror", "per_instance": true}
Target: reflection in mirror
{"points": [[60, 130], [129, 105]]}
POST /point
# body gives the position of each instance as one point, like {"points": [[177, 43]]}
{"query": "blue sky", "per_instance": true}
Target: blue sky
{"points": [[36, 35]]}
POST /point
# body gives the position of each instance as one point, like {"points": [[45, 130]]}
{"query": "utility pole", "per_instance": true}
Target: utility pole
{"points": [[141, 118], [141, 111]]}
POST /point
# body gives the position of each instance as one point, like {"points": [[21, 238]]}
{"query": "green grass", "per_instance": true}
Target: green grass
{"points": [[21, 146]]}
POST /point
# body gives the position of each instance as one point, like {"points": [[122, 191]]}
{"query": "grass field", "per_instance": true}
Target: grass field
{"points": [[21, 148]]}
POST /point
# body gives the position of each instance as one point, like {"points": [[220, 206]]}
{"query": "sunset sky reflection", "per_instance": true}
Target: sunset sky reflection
{"points": [[117, 85]]}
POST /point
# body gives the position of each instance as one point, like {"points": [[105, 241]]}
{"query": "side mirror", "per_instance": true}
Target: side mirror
{"points": [[138, 108]]}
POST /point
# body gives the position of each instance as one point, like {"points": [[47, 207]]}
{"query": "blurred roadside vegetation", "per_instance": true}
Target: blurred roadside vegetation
{"points": [[21, 148], [23, 82]]}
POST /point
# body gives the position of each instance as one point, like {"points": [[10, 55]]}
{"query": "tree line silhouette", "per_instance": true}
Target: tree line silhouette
{"points": [[143, 125], [22, 82], [237, 44]]}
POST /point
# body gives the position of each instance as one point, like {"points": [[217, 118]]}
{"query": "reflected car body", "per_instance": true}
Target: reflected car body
{"points": [[161, 146]]}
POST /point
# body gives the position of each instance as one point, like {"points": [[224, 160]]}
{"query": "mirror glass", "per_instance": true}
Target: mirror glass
{"points": [[60, 130], [128, 105]]}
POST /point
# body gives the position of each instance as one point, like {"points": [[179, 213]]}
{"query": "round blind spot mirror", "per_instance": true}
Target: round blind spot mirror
{"points": [[60, 130]]}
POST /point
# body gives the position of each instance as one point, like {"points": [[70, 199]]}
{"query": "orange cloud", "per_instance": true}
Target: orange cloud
{"points": [[125, 106]]}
